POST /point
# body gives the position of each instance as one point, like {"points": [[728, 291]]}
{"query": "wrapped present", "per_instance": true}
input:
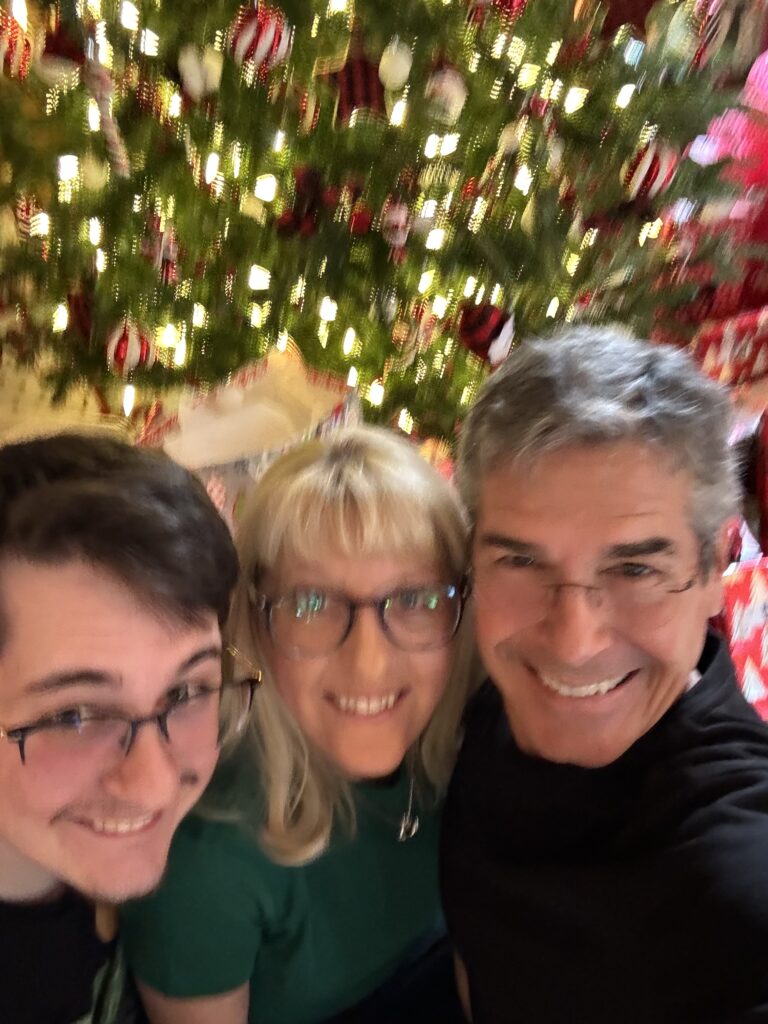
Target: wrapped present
{"points": [[735, 350], [230, 434], [745, 623]]}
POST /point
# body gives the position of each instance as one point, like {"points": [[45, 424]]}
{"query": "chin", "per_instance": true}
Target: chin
{"points": [[110, 887]]}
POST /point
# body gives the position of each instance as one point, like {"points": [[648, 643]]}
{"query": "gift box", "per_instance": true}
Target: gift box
{"points": [[744, 621]]}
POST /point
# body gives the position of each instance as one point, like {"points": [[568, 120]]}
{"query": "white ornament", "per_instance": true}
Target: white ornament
{"points": [[395, 65], [447, 93], [396, 224], [129, 346], [200, 70]]}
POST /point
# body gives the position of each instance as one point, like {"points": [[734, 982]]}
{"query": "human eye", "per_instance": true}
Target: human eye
{"points": [[72, 719], [306, 604], [418, 599], [512, 560], [634, 572], [183, 694]]}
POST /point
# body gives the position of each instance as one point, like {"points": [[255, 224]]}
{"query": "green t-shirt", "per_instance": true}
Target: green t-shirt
{"points": [[311, 940]]}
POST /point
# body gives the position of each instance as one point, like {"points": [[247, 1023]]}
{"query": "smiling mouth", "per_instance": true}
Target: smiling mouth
{"points": [[365, 707], [597, 689], [120, 826]]}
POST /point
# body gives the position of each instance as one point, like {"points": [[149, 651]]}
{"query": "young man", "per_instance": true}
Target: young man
{"points": [[115, 578], [606, 834]]}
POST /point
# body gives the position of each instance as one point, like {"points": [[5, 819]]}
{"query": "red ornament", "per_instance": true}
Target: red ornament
{"points": [[260, 37], [487, 332], [129, 347], [650, 171], [510, 8], [361, 220], [359, 88], [15, 47]]}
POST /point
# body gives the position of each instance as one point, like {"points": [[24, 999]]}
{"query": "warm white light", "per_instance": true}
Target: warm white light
{"points": [[101, 261], [425, 281], [572, 263], [528, 75], [575, 99], [279, 141], [405, 421], [337, 6], [60, 318], [198, 315], [266, 187], [352, 377], [259, 278], [174, 106], [655, 229], [469, 287], [498, 47], [553, 51], [40, 225], [449, 144], [435, 238], [375, 392], [282, 341], [553, 307], [129, 398], [328, 309], [349, 341], [516, 50], [129, 16], [68, 167], [523, 179], [432, 146], [439, 306], [211, 168], [633, 51], [94, 117], [94, 231], [397, 116], [180, 355], [19, 12], [496, 293], [624, 95], [149, 42], [257, 315]]}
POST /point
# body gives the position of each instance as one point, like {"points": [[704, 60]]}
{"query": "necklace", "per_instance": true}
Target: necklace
{"points": [[409, 823]]}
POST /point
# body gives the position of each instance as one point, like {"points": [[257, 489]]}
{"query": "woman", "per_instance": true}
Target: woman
{"points": [[353, 555]]}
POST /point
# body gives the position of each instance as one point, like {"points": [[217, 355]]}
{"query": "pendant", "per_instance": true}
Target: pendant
{"points": [[409, 826]]}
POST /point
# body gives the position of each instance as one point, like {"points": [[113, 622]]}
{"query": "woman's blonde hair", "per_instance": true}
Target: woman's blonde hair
{"points": [[359, 491]]}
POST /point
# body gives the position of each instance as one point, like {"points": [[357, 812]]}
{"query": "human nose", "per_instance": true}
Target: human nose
{"points": [[147, 775], [368, 647], [577, 627]]}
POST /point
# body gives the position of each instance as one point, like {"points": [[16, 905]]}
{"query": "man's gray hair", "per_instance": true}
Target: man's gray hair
{"points": [[599, 385]]}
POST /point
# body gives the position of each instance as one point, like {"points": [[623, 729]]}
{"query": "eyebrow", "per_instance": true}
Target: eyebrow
{"points": [[90, 677], [635, 549]]}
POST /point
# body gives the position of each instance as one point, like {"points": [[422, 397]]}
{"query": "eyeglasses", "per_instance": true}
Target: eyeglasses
{"points": [[529, 590], [79, 739], [310, 622]]}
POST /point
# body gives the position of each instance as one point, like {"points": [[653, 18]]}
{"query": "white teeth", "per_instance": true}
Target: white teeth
{"points": [[365, 706], [592, 690], [115, 826]]}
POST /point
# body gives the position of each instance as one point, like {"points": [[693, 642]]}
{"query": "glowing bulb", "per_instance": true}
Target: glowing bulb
{"points": [[435, 238], [375, 392], [469, 287], [328, 309], [337, 6], [425, 281], [405, 421], [397, 117], [149, 42], [429, 209], [94, 117], [349, 341], [575, 99], [553, 307], [352, 377], [94, 231], [101, 261], [60, 318], [129, 399], [19, 12], [259, 278], [174, 106], [198, 315], [257, 315], [282, 341], [624, 95], [68, 167], [129, 16], [180, 355], [279, 141], [168, 337], [266, 187], [211, 168], [40, 225], [432, 146], [439, 306], [553, 51], [523, 179], [449, 144]]}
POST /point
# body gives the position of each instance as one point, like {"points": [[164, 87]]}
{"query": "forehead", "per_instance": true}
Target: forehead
{"points": [[588, 494], [72, 616], [361, 574]]}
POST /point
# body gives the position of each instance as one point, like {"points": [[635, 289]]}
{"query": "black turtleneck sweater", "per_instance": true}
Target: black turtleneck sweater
{"points": [[631, 894]]}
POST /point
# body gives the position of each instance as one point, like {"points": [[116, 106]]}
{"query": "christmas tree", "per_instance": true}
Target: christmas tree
{"points": [[402, 190]]}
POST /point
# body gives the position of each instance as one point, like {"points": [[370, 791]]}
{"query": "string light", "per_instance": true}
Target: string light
{"points": [[349, 341], [129, 399]]}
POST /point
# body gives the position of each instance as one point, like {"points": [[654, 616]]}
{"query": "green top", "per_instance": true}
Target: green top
{"points": [[311, 940]]}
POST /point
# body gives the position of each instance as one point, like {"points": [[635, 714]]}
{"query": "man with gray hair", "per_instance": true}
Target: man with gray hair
{"points": [[605, 849]]}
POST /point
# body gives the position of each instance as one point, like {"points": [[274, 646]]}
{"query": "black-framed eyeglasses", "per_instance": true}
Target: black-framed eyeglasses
{"points": [[310, 622], [82, 737]]}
